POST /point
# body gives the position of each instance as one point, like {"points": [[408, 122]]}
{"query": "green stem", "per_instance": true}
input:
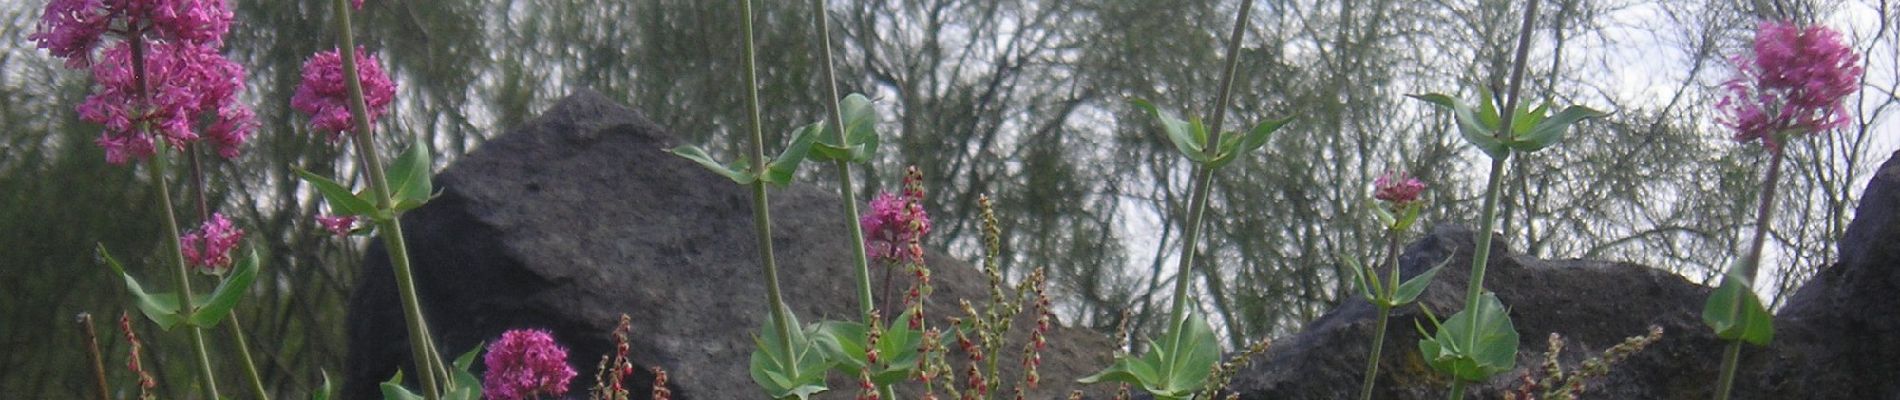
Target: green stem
{"points": [[1457, 390], [761, 207], [1750, 264], [865, 302], [244, 354], [1203, 181], [184, 279], [390, 227], [1480, 257], [1385, 312]]}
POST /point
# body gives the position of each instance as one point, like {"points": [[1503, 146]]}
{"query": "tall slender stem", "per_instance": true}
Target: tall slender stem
{"points": [[1204, 179], [1481, 255], [1731, 358], [1385, 311], [845, 190], [203, 354], [426, 361], [761, 207], [244, 354]]}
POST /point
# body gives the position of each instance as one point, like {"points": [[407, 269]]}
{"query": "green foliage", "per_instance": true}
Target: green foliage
{"points": [[161, 308], [1173, 372], [326, 391], [410, 176], [788, 372], [739, 172], [1473, 344], [342, 200], [1737, 314], [228, 293], [1189, 136], [1378, 292], [860, 141], [843, 345], [462, 385], [778, 172], [1531, 129]]}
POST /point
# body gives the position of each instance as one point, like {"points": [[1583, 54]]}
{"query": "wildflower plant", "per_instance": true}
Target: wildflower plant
{"points": [[1180, 363], [1397, 203], [160, 85], [526, 364], [1792, 85], [1480, 341]]}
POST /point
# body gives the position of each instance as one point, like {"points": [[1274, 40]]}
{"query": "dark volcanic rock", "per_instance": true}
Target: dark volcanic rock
{"points": [[1593, 304], [578, 217], [1835, 338]]}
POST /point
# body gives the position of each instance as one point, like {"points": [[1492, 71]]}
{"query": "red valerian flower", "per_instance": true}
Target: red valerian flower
{"points": [[1793, 84], [208, 248], [1397, 188], [525, 364], [324, 95]]}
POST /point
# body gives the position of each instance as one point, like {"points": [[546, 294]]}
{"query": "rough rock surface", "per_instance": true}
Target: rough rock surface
{"points": [[1835, 339], [578, 217]]}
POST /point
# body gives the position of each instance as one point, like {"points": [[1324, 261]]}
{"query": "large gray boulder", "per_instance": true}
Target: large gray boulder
{"points": [[577, 217]]}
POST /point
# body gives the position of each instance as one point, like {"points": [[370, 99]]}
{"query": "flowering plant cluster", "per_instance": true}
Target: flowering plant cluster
{"points": [[526, 364], [1793, 84]]}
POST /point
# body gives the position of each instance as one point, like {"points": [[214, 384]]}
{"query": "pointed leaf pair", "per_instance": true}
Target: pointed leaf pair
{"points": [[1473, 344], [161, 308], [463, 385], [1531, 129], [1233, 144], [1548, 131], [342, 200], [1475, 129], [1410, 290], [1737, 314], [860, 142], [843, 344], [780, 171], [393, 389], [1188, 137], [794, 372], [410, 178], [226, 296], [1375, 291], [1176, 367]]}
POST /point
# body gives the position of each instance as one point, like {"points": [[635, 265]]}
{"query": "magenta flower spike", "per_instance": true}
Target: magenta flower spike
{"points": [[1397, 188], [525, 364], [324, 96], [208, 248], [1793, 84], [890, 225], [185, 79]]}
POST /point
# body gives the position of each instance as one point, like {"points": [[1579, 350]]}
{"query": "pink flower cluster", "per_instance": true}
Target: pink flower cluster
{"points": [[1397, 188], [162, 78], [324, 94], [341, 225], [892, 224], [208, 248], [525, 364], [1793, 84]]}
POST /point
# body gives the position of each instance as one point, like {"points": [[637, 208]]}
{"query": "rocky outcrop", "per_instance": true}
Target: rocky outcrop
{"points": [[578, 217], [1836, 337]]}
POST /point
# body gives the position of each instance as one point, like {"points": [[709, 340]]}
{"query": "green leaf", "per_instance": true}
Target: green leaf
{"points": [[1137, 371], [1550, 131], [1365, 281], [342, 201], [410, 176], [1528, 117], [780, 171], [1736, 313], [1410, 216], [393, 390], [1474, 344], [326, 391], [860, 127], [463, 385], [737, 173], [228, 293], [1187, 137], [1243, 144], [1385, 216], [1477, 130], [1188, 370], [161, 308], [1410, 290], [797, 371]]}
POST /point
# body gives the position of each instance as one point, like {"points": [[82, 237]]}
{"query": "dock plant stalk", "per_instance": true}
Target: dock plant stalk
{"points": [[421, 347]]}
